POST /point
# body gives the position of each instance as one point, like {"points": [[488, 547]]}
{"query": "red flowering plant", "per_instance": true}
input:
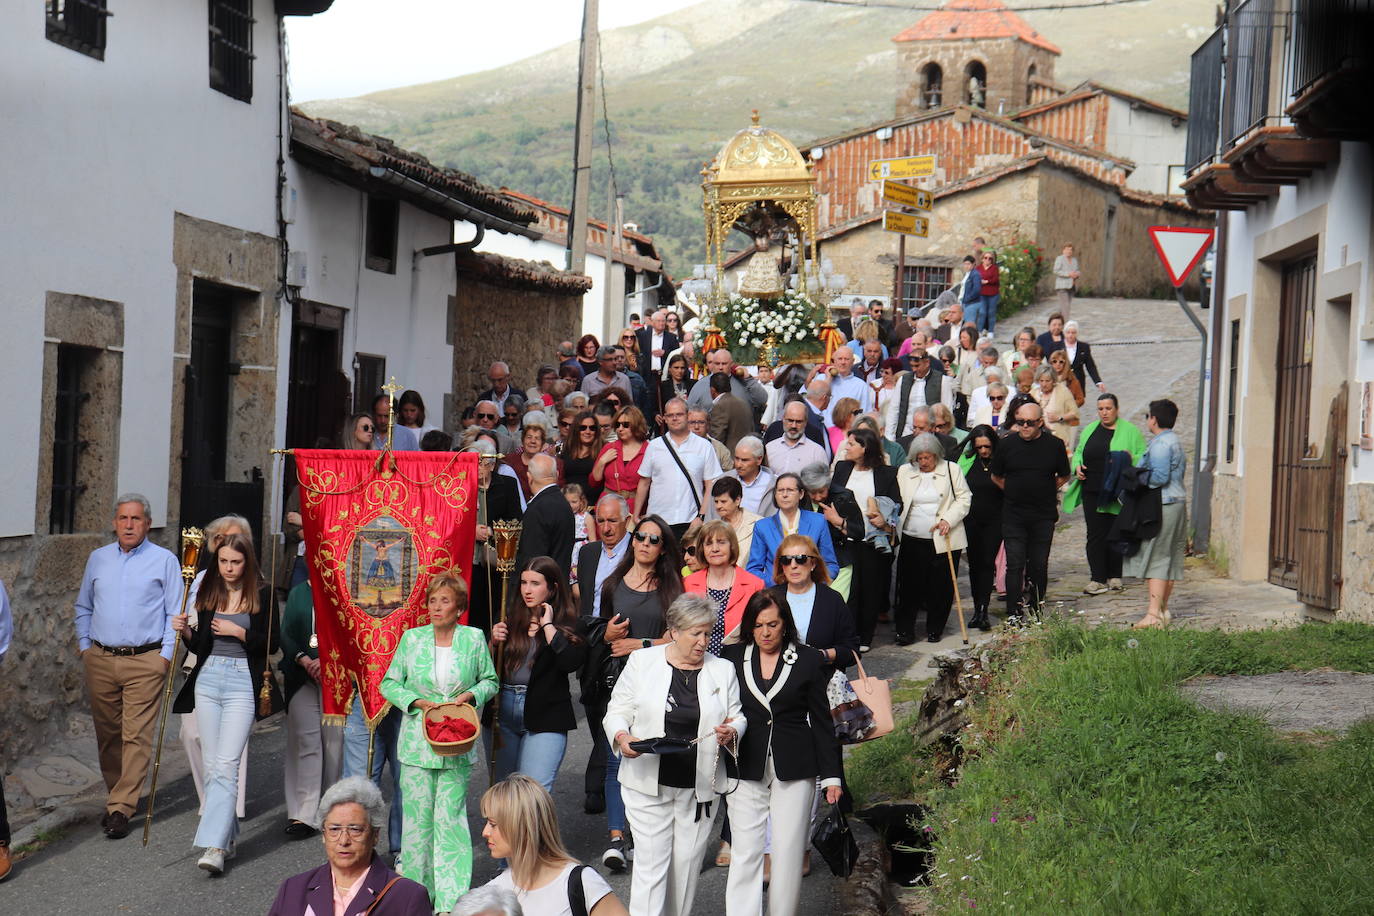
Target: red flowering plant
{"points": [[1022, 267]]}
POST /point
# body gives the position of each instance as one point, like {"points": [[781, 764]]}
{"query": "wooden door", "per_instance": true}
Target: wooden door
{"points": [[1321, 517], [1292, 408]]}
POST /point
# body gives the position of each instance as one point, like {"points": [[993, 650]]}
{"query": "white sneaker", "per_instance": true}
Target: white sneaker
{"points": [[212, 861], [615, 856], [1094, 588], [1115, 585]]}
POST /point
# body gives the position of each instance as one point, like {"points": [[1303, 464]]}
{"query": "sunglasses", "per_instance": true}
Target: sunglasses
{"points": [[587, 426], [1030, 423], [627, 337], [565, 422], [366, 429], [621, 424], [654, 539], [997, 397], [486, 416], [798, 559], [690, 551]]}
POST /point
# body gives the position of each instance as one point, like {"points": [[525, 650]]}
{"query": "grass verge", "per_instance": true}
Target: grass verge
{"points": [[1092, 786]]}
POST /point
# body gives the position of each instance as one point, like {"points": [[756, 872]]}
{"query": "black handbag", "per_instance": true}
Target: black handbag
{"points": [[601, 670], [664, 745], [834, 841]]}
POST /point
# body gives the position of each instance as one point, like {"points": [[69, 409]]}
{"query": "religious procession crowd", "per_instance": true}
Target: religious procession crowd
{"points": [[703, 548]]}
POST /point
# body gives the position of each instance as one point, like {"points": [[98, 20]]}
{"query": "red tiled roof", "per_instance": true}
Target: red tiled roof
{"points": [[514, 273], [563, 212], [974, 19]]}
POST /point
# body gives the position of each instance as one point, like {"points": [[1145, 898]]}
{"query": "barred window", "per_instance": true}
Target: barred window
{"points": [[74, 368], [922, 284], [231, 48], [78, 24]]}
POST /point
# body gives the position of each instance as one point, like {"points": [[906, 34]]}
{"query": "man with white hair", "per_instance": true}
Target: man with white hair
{"points": [[755, 479], [976, 375], [921, 387], [818, 398], [501, 391], [655, 343], [742, 385], [548, 525], [857, 309], [488, 416], [129, 593]]}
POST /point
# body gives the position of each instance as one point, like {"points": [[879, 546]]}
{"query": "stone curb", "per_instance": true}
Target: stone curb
{"points": [[866, 892], [70, 814]]}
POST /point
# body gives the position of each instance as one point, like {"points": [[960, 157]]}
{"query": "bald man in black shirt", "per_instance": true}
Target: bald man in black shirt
{"points": [[1030, 467]]}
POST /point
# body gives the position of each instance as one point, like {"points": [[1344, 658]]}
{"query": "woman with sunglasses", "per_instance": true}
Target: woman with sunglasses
{"points": [[674, 322], [634, 600], [788, 744], [1061, 413], [991, 289], [579, 449], [1059, 362], [357, 432], [823, 619], [983, 524], [630, 341], [617, 467], [587, 345]]}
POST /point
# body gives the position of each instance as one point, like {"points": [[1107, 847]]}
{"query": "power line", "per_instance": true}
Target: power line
{"points": [[606, 118], [887, 4]]}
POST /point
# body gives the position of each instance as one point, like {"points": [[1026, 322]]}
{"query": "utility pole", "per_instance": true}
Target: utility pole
{"points": [[582, 151], [614, 303]]}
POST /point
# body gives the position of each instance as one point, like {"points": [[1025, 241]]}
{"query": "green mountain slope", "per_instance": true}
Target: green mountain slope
{"points": [[678, 86]]}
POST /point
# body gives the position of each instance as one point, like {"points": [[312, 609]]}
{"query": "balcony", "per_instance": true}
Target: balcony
{"points": [[1333, 69]]}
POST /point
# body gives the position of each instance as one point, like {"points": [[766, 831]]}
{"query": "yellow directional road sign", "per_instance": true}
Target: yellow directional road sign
{"points": [[907, 196], [909, 223], [910, 167]]}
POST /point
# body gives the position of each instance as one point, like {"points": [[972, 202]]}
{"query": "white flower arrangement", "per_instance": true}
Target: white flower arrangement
{"points": [[792, 320]]}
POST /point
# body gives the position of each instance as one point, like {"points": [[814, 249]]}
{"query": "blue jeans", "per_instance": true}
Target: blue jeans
{"points": [[990, 311], [973, 313], [536, 754], [615, 804], [384, 751], [224, 710]]}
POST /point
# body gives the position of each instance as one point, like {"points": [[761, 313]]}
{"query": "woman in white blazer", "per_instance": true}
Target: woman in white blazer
{"points": [[676, 690], [935, 499]]}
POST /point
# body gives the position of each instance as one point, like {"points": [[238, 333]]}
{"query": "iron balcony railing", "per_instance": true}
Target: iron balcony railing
{"points": [[1204, 101], [1330, 36], [1256, 27]]}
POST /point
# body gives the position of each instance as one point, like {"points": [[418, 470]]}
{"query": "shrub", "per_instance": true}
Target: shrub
{"points": [[1022, 266]]}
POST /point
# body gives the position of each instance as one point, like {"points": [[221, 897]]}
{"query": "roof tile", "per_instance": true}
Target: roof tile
{"points": [[961, 19]]}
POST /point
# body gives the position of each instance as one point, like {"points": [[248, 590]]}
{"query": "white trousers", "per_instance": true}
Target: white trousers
{"points": [[314, 755], [190, 741], [669, 845], [786, 805]]}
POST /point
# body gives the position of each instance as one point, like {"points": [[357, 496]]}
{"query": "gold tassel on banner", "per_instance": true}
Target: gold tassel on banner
{"points": [[831, 338]]}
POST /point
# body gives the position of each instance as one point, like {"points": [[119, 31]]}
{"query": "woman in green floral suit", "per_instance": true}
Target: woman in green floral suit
{"points": [[440, 662]]}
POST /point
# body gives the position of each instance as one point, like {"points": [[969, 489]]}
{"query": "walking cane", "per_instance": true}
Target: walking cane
{"points": [[191, 541], [958, 602], [507, 533]]}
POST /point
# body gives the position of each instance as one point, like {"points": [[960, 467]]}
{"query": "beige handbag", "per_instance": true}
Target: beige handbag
{"points": [[876, 694]]}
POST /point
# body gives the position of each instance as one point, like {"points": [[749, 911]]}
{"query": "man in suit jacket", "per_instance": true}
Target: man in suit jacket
{"points": [[857, 310], [501, 391], [731, 418], [548, 526], [655, 343]]}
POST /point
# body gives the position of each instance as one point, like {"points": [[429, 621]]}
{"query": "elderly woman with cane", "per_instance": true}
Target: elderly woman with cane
{"points": [[673, 709], [935, 499]]}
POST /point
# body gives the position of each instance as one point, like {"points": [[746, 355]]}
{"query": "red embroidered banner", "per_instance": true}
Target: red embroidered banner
{"points": [[376, 528]]}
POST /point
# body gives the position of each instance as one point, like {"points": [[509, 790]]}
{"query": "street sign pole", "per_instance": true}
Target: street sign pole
{"points": [[900, 286], [1180, 250]]}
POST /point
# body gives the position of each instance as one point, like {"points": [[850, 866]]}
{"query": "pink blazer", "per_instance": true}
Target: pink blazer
{"points": [[741, 590]]}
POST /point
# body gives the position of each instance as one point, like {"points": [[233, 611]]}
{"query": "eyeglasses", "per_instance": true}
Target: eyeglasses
{"points": [[486, 416], [997, 397], [587, 426], [621, 424], [335, 831], [366, 429], [654, 539], [798, 559]]}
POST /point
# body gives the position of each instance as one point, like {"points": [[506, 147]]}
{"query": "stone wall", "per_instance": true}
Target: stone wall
{"points": [[1006, 60], [510, 310], [1226, 520], [1357, 543]]}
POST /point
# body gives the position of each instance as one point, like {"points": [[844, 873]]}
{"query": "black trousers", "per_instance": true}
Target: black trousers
{"points": [[868, 588], [1103, 564], [984, 538], [480, 615], [1028, 543], [924, 584], [594, 775]]}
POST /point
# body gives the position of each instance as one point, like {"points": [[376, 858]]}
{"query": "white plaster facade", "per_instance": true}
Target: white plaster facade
{"points": [[104, 153], [1152, 139]]}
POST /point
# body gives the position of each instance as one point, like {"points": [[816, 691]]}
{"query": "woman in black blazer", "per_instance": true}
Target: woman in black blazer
{"points": [[676, 382], [1081, 357], [824, 620], [865, 473], [788, 743], [542, 647], [236, 628]]}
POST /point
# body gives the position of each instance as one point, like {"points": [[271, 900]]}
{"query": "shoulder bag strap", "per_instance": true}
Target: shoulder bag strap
{"points": [[577, 894], [691, 484], [378, 899]]}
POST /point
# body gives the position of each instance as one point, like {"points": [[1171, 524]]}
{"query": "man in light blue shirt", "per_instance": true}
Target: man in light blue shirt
{"points": [[129, 593], [846, 384]]}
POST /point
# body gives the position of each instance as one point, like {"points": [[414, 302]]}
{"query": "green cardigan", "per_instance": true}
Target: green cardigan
{"points": [[411, 678], [1125, 438]]}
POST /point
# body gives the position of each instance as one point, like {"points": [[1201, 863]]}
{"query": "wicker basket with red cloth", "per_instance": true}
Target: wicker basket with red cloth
{"points": [[452, 729]]}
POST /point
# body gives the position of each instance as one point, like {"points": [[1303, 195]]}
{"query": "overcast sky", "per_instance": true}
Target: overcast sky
{"points": [[361, 46]]}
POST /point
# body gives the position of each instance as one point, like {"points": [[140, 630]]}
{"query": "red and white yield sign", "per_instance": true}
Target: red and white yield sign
{"points": [[1180, 249]]}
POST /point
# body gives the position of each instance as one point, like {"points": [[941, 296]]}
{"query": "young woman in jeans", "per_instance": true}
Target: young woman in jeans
{"points": [[235, 627], [542, 647]]}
